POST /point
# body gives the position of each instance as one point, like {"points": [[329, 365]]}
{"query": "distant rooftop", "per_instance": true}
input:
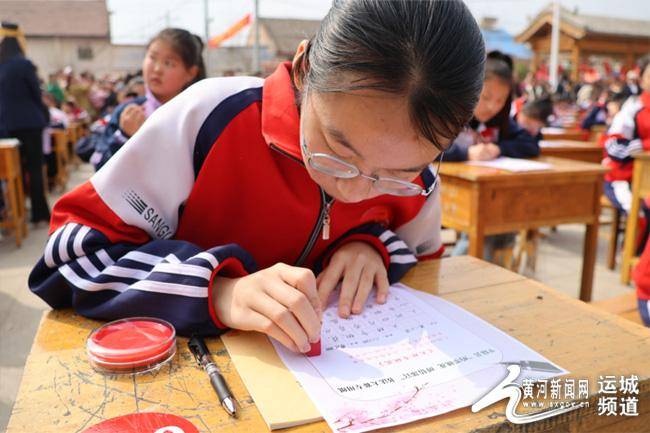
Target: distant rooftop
{"points": [[287, 33], [58, 18], [583, 24]]}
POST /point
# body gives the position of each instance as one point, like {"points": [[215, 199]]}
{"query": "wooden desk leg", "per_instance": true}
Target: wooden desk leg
{"points": [[613, 239], [21, 208], [14, 204], [476, 240], [589, 261]]}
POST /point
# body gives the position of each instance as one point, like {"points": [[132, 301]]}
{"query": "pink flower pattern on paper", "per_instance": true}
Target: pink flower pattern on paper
{"points": [[416, 404]]}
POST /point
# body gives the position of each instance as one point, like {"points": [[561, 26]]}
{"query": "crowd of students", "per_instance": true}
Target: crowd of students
{"points": [[205, 187]]}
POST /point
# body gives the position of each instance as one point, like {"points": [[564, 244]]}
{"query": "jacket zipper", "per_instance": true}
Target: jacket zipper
{"points": [[322, 223]]}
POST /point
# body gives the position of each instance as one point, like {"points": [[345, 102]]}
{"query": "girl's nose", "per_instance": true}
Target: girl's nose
{"points": [[355, 190]]}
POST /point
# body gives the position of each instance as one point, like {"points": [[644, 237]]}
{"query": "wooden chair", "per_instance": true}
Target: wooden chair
{"points": [[74, 132], [527, 243], [14, 197], [640, 190], [504, 257], [60, 149]]}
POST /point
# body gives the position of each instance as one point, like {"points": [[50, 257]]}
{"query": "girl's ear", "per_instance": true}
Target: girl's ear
{"points": [[192, 73], [299, 65]]}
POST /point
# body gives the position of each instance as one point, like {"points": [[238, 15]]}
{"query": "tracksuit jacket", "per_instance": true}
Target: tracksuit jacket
{"points": [[213, 184]]}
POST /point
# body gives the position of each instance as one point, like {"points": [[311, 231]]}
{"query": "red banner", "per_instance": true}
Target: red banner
{"points": [[215, 41]]}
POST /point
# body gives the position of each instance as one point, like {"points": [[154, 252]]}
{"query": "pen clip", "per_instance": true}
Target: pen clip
{"points": [[199, 349]]}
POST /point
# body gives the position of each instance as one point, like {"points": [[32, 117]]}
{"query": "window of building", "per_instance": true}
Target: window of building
{"points": [[85, 53]]}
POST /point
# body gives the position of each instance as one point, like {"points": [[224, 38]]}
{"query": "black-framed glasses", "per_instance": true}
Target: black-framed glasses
{"points": [[333, 166]]}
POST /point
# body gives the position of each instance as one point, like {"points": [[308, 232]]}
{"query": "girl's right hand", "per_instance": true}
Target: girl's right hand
{"points": [[483, 152], [280, 301], [131, 119], [477, 152]]}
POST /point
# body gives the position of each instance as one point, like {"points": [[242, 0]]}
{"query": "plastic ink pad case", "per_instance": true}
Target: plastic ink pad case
{"points": [[133, 345]]}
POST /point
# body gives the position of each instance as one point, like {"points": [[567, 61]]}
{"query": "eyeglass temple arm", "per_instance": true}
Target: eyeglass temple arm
{"points": [[429, 190]]}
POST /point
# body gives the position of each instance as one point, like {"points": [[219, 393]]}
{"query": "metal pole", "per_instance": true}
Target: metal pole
{"points": [[555, 45], [206, 22], [256, 43], [206, 36]]}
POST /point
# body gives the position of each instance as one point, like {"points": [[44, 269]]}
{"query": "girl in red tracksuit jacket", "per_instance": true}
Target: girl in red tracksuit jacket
{"points": [[221, 209], [629, 134]]}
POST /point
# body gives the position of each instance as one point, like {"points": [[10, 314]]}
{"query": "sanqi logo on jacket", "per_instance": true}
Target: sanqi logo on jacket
{"points": [[157, 223]]}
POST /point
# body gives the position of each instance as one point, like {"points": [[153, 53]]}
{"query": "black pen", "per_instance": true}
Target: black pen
{"points": [[200, 351]]}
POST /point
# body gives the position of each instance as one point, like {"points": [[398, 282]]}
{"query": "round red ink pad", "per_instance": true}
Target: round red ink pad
{"points": [[133, 345], [149, 422]]}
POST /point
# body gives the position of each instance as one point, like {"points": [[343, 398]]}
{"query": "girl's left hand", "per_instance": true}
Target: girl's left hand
{"points": [[360, 267]]}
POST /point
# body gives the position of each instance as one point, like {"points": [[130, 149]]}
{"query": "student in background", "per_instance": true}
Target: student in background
{"points": [[230, 199], [57, 120], [565, 111], [54, 88], [632, 83], [628, 134], [78, 89], [534, 116], [492, 132], [597, 108], [172, 63], [74, 112], [603, 111], [613, 106]]}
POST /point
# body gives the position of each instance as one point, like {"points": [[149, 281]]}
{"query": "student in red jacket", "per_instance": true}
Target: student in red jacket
{"points": [[221, 209], [629, 134]]}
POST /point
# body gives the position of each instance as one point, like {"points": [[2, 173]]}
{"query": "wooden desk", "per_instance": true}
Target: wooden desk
{"points": [[586, 151], [60, 392], [564, 134], [484, 201]]}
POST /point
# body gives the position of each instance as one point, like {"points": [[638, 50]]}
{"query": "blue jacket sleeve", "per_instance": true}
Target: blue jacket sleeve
{"points": [[596, 116], [397, 256], [519, 143], [455, 153], [167, 279]]}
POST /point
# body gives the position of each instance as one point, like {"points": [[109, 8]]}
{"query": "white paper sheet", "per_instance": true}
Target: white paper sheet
{"points": [[513, 164], [553, 130], [551, 143], [414, 357]]}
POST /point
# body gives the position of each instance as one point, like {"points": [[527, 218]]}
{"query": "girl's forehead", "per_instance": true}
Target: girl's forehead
{"points": [[364, 110], [370, 120], [163, 47]]}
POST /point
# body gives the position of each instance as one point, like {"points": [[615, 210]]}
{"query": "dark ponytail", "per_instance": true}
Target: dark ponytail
{"points": [[431, 51], [188, 46], [501, 67]]}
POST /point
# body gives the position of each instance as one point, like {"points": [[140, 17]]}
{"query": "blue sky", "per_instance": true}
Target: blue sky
{"points": [[135, 21]]}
